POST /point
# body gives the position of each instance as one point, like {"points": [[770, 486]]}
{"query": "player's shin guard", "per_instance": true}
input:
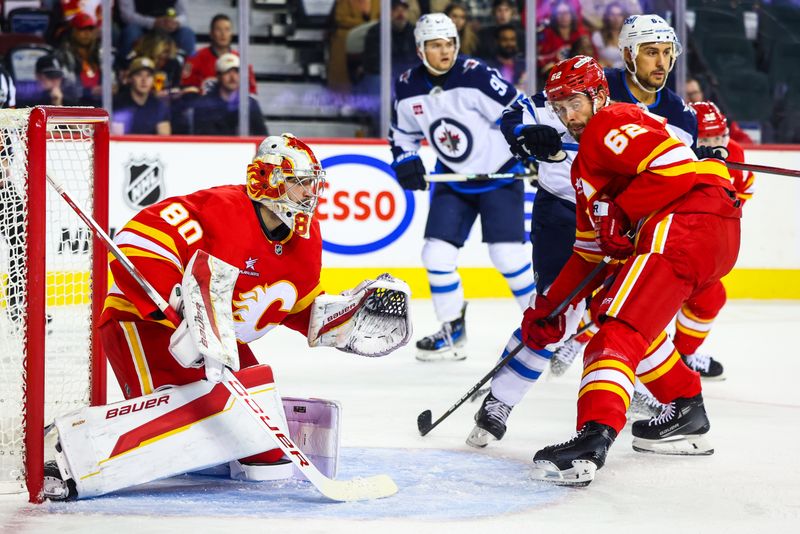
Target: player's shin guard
{"points": [[665, 374], [508, 387], [447, 293], [607, 384], [513, 262], [696, 316], [172, 431]]}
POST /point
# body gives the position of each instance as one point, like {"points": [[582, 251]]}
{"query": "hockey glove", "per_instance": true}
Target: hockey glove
{"points": [[716, 152], [181, 346], [611, 227], [540, 140], [410, 172], [537, 330]]}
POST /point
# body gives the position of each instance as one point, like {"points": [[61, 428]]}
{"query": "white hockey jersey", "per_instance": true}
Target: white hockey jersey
{"points": [[553, 177], [459, 119]]}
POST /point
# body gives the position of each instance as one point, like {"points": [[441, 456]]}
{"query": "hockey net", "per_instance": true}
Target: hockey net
{"points": [[52, 280]]}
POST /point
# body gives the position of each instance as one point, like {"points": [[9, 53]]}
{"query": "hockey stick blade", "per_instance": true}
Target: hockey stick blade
{"points": [[424, 421], [357, 489]]}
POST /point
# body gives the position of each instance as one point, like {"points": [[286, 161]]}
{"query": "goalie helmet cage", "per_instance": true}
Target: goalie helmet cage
{"points": [[53, 280]]}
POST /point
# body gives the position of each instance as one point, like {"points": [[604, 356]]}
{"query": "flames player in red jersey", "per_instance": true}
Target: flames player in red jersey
{"points": [[177, 417], [632, 176], [264, 228], [696, 316]]}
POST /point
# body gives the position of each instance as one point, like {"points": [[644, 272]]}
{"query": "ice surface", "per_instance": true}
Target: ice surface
{"points": [[750, 483]]}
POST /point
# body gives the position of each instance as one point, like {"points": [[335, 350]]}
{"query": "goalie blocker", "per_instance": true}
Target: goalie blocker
{"points": [[106, 448]]}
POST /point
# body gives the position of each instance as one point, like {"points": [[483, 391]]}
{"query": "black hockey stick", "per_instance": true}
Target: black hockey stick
{"points": [[424, 419]]}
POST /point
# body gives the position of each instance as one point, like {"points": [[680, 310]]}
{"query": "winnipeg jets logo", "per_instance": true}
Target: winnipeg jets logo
{"points": [[451, 139], [250, 267]]}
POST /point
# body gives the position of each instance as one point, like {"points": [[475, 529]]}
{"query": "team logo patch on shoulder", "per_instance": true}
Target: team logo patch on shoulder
{"points": [[144, 182], [417, 109], [451, 139]]}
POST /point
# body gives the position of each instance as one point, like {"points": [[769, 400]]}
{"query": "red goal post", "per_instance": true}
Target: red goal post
{"points": [[53, 280]]}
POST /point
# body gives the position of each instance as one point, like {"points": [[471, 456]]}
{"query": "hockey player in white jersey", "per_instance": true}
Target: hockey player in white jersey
{"points": [[533, 131], [455, 102]]}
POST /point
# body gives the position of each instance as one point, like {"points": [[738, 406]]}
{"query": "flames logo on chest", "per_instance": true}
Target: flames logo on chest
{"points": [[262, 308]]}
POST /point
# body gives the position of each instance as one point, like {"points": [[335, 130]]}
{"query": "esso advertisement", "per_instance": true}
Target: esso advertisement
{"points": [[363, 209]]}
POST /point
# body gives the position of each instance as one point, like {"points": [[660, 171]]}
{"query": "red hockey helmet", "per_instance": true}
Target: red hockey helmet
{"points": [[576, 75], [710, 120]]}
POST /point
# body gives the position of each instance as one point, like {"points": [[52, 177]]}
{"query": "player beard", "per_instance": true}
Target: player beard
{"points": [[655, 80], [576, 129]]}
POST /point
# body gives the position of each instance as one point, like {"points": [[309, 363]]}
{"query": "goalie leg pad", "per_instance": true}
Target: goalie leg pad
{"points": [[314, 427], [170, 432]]}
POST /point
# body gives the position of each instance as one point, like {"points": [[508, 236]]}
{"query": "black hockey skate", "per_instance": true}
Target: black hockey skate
{"points": [[680, 429], [574, 462], [55, 488], [708, 367], [444, 344], [490, 422]]}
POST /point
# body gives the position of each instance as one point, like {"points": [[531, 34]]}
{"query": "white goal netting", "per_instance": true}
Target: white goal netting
{"points": [[68, 264]]}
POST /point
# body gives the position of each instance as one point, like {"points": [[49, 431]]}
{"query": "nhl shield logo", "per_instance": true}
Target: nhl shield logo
{"points": [[144, 182]]}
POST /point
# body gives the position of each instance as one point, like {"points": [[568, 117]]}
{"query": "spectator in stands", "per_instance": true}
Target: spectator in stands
{"points": [[199, 71], [594, 12], [558, 37], [503, 14], [545, 9], [217, 112], [136, 109], [167, 16], [404, 48], [50, 89], [80, 55], [164, 53], [507, 58], [694, 93], [347, 14], [606, 39], [460, 16]]}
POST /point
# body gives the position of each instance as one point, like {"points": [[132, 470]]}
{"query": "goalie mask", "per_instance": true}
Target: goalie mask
{"points": [[287, 178]]}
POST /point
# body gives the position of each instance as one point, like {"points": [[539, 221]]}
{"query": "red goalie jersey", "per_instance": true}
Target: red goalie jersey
{"points": [[632, 157], [278, 280]]}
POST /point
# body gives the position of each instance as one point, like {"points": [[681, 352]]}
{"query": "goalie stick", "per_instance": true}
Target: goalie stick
{"points": [[424, 424], [374, 487]]}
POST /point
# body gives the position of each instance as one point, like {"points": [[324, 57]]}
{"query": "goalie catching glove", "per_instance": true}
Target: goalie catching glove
{"points": [[371, 319]]}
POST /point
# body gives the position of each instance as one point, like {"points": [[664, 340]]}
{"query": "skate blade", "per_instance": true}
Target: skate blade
{"points": [[720, 378], [445, 355], [479, 438], [697, 445], [580, 474]]}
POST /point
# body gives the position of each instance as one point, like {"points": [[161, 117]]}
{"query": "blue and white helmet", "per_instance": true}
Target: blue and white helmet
{"points": [[640, 29], [434, 26]]}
